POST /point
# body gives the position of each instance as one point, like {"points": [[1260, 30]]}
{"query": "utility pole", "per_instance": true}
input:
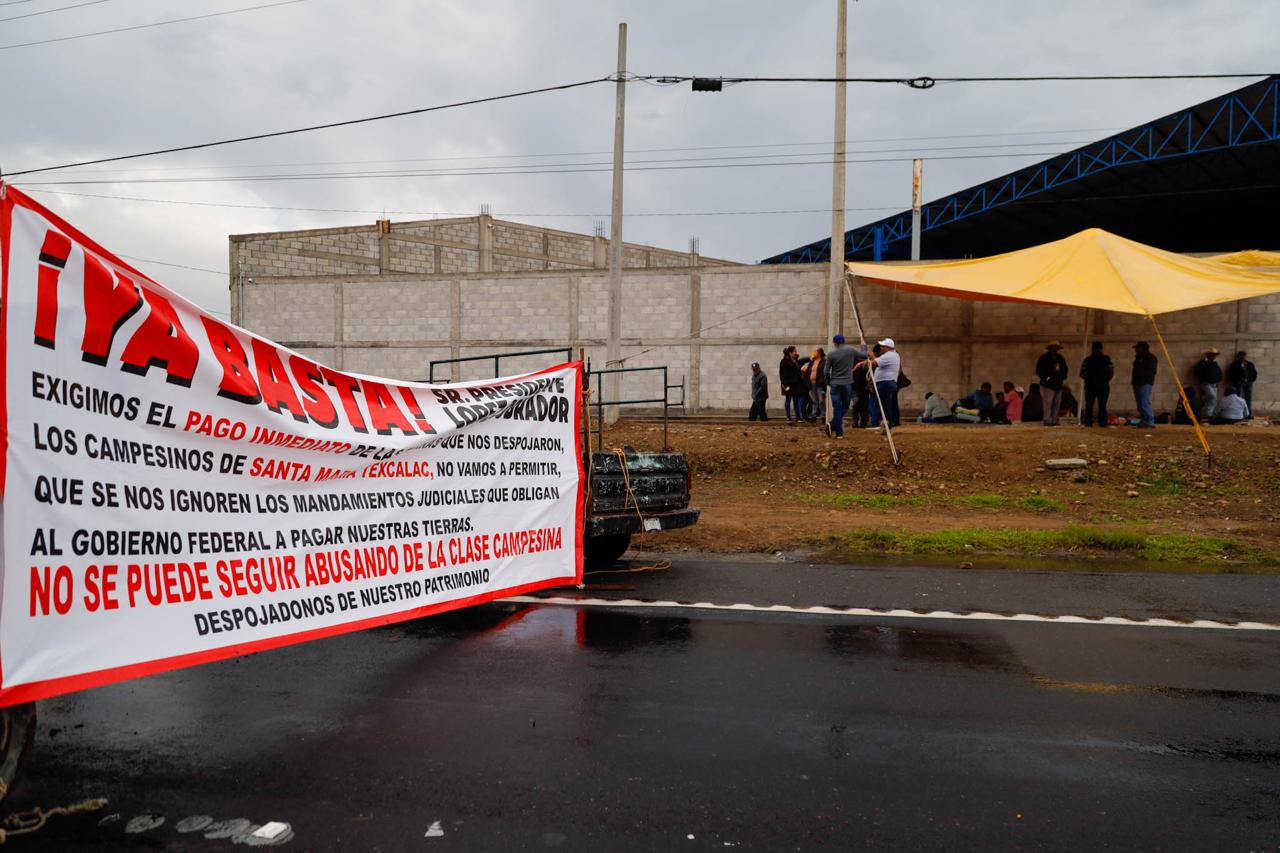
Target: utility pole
{"points": [[835, 280], [917, 175], [613, 350]]}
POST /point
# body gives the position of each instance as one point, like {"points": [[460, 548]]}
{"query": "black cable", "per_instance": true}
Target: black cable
{"points": [[148, 26], [50, 11], [517, 167], [170, 264], [542, 171], [826, 143], [445, 213], [928, 82], [327, 126]]}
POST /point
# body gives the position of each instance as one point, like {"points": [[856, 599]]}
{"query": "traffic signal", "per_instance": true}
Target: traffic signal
{"points": [[706, 84]]}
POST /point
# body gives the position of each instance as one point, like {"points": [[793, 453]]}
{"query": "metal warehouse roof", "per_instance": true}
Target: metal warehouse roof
{"points": [[1203, 179]]}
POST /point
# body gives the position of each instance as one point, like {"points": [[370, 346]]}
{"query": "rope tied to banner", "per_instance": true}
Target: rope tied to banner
{"points": [[33, 820]]}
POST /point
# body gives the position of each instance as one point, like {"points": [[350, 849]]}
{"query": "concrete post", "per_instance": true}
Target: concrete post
{"points": [[485, 224], [835, 281], [917, 176], [384, 245], [613, 350]]}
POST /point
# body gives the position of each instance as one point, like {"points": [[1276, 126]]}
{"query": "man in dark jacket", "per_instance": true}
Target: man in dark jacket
{"points": [[759, 393], [1241, 374], [1033, 405], [1096, 370], [792, 382], [1208, 374], [1144, 378], [981, 401], [1051, 370]]}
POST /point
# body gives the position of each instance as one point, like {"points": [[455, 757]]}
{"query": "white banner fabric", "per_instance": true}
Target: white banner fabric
{"points": [[178, 490]]}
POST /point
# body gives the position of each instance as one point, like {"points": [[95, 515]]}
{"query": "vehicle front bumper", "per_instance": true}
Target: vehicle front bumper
{"points": [[613, 525]]}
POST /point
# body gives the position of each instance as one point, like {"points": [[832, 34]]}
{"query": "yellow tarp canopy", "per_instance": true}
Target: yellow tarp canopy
{"points": [[1091, 269]]}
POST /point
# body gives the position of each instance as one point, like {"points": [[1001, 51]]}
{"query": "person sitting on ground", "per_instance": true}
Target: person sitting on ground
{"points": [[1180, 414], [1069, 405], [980, 401], [1012, 404], [998, 415], [1033, 405], [1232, 409], [936, 410]]}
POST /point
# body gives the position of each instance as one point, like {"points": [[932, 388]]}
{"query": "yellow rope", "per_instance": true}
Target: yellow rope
{"points": [[22, 823], [660, 566], [1177, 380], [626, 480]]}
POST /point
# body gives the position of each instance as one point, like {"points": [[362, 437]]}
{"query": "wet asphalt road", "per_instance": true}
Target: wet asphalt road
{"points": [[574, 728]]}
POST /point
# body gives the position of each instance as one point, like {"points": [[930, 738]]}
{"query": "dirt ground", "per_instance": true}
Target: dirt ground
{"points": [[771, 487]]}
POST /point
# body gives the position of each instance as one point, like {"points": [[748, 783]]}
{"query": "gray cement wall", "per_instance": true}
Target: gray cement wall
{"points": [[706, 322]]}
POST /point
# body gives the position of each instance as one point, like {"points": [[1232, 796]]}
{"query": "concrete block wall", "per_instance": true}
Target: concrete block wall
{"points": [[431, 247], [708, 323]]}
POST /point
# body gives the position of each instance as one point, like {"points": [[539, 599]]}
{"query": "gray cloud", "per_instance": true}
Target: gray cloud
{"points": [[328, 59]]}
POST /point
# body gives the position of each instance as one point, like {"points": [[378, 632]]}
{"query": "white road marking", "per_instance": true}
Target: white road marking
{"points": [[974, 616]]}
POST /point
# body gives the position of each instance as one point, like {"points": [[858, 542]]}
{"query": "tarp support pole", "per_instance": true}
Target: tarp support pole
{"points": [[884, 416], [1186, 404]]}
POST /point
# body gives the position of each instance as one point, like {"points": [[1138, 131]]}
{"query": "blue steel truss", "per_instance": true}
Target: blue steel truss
{"points": [[1248, 116]]}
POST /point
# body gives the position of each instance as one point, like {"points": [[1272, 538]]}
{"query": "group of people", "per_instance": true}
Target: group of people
{"points": [[866, 385]]}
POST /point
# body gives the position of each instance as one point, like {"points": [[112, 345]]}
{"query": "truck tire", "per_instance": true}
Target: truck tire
{"points": [[17, 732], [605, 550]]}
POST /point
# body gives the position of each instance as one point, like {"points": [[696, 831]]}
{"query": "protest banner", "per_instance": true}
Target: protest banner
{"points": [[178, 490]]}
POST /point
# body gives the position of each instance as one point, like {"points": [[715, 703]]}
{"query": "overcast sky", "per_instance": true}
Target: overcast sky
{"points": [[325, 60]]}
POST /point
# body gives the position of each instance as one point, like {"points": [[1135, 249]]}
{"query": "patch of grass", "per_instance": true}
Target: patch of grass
{"points": [[1165, 484], [1135, 544], [1039, 503], [1030, 503]]}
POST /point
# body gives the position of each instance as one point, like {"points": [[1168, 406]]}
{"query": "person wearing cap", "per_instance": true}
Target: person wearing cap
{"points": [[1241, 374], [1097, 371], [759, 393], [1208, 374], [1143, 381], [839, 370], [1051, 370], [884, 402]]}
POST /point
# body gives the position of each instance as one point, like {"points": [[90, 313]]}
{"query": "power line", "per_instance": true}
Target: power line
{"points": [[825, 142], [168, 264], [14, 2], [673, 213], [930, 82], [327, 126], [442, 213], [543, 171], [148, 26], [50, 11], [518, 166]]}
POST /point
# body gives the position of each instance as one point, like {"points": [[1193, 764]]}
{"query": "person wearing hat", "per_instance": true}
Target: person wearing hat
{"points": [[759, 393], [1143, 380], [884, 403], [1208, 374], [1051, 370], [839, 370], [1241, 374]]}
